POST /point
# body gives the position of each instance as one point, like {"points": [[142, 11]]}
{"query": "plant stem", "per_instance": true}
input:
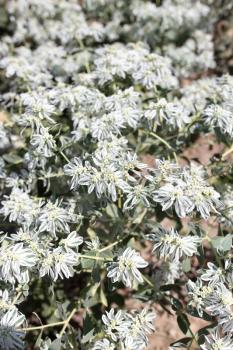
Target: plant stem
{"points": [[64, 323], [119, 202], [109, 246], [16, 297], [148, 281], [49, 176], [216, 254], [64, 156], [93, 257], [55, 324], [67, 321], [161, 140], [193, 338], [225, 154]]}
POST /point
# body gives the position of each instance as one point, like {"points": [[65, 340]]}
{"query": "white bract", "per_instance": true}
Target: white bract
{"points": [[126, 268], [10, 337], [169, 244], [217, 342]]}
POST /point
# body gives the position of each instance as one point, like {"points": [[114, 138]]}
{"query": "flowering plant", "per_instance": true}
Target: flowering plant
{"points": [[100, 199]]}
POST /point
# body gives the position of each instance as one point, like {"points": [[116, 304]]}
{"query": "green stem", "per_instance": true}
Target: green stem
{"points": [[226, 153], [215, 254], [94, 257], [67, 321], [64, 323], [161, 140], [193, 338], [109, 246], [148, 281], [55, 324], [51, 176], [64, 156], [119, 199]]}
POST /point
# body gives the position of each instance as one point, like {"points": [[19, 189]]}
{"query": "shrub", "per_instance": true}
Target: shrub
{"points": [[100, 199]]}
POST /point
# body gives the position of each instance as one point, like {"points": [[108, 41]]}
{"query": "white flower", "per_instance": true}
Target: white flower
{"points": [[170, 194], [10, 336], [135, 335], [187, 190], [108, 125], [94, 244], [104, 180], [199, 294], [37, 105], [14, 260], [220, 300], [153, 70], [128, 330], [126, 268], [54, 218], [5, 301], [72, 241], [171, 113], [171, 245], [43, 142], [215, 341], [146, 320], [132, 342], [219, 116], [58, 263], [205, 199], [167, 273], [214, 274], [104, 344], [114, 323], [4, 137], [225, 320], [20, 207], [137, 194], [75, 169]]}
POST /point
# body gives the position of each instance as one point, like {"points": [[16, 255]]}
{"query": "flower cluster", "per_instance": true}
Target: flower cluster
{"points": [[187, 190], [125, 330], [126, 268], [102, 104]]}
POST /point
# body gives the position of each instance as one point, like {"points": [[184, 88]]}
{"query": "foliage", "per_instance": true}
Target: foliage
{"points": [[98, 202]]}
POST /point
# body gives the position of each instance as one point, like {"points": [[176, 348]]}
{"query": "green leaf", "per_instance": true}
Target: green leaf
{"points": [[12, 158], [96, 274], [201, 255], [38, 340], [193, 312], [176, 286], [216, 242], [87, 324], [112, 211], [226, 243], [91, 301], [55, 345], [176, 304], [223, 244], [88, 263], [3, 18], [103, 298], [205, 330], [140, 217], [181, 343], [61, 310], [183, 323], [88, 337], [186, 265], [93, 290]]}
